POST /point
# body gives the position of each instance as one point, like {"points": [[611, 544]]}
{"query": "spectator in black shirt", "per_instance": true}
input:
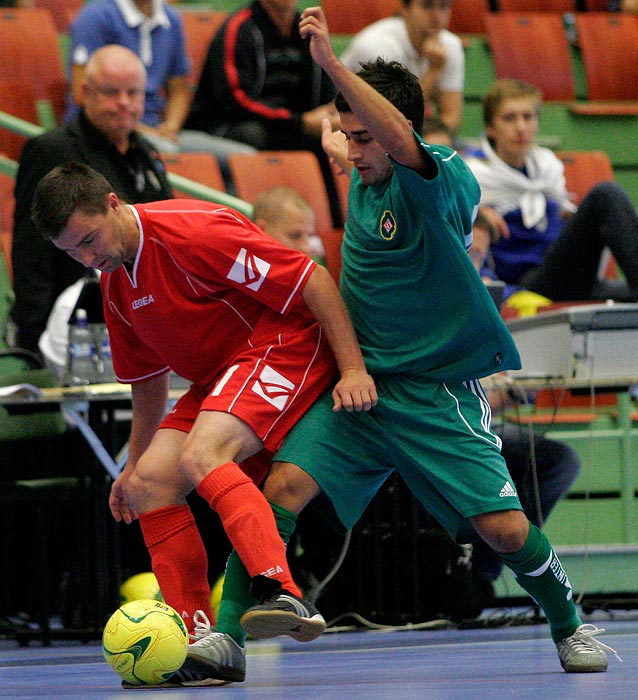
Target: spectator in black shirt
{"points": [[260, 86], [103, 136]]}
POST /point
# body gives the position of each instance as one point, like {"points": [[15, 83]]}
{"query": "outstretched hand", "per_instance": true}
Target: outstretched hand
{"points": [[335, 146], [313, 25], [119, 504], [355, 391]]}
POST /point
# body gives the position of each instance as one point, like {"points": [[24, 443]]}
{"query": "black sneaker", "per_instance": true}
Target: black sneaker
{"points": [[284, 613]]}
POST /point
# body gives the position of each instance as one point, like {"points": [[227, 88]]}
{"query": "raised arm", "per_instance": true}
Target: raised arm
{"points": [[385, 123]]}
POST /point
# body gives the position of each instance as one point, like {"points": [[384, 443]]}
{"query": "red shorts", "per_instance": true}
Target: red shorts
{"points": [[269, 387]]}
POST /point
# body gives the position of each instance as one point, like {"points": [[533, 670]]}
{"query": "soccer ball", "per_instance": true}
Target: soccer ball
{"points": [[140, 586], [145, 642]]}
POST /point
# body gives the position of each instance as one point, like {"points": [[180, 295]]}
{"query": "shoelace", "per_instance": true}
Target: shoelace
{"points": [[588, 632], [202, 626]]}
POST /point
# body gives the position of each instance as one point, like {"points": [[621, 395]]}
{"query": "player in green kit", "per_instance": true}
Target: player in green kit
{"points": [[429, 331]]}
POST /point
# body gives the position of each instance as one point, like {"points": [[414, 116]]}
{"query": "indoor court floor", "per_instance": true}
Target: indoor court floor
{"points": [[445, 664]]}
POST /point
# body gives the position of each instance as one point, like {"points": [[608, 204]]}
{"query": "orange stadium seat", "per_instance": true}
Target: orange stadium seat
{"points": [[609, 46], [62, 11], [200, 167], [199, 29], [468, 16], [583, 170], [348, 17], [537, 5], [299, 170], [7, 205], [254, 172], [533, 47], [31, 50], [17, 98]]}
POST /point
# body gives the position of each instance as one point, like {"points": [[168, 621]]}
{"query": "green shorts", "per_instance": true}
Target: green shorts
{"points": [[436, 436]]}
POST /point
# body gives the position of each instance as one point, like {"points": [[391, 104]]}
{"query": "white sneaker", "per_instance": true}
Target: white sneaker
{"points": [[213, 656], [581, 653]]}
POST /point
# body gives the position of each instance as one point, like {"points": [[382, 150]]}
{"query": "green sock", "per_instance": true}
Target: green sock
{"points": [[539, 571], [236, 598]]}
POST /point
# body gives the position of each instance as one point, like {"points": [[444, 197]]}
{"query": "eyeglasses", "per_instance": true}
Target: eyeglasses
{"points": [[111, 91], [436, 4]]}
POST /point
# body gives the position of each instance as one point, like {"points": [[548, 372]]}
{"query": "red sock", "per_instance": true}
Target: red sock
{"points": [[249, 523], [179, 560]]}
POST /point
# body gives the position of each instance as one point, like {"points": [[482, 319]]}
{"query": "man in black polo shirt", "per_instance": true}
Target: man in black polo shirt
{"points": [[103, 136]]}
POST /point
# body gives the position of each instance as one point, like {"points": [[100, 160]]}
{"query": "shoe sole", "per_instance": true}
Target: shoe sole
{"points": [[203, 683], [168, 685], [216, 674], [585, 669], [264, 624]]}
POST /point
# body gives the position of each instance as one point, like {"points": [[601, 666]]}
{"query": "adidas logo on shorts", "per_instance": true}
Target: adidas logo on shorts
{"points": [[508, 490]]}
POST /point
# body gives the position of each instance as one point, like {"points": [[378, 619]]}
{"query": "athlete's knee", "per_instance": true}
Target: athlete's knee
{"points": [[146, 489], [606, 196], [505, 531], [290, 487], [199, 458]]}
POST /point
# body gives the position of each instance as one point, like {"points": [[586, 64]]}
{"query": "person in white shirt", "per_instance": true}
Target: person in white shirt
{"points": [[54, 340], [419, 39]]}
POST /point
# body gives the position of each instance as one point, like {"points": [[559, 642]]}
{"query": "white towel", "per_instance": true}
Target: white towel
{"points": [[506, 189]]}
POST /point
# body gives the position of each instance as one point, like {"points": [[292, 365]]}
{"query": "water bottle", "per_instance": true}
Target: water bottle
{"points": [[107, 374], [82, 368]]}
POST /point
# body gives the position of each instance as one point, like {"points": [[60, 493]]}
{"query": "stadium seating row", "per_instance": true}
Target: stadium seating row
{"points": [[253, 173], [531, 46]]}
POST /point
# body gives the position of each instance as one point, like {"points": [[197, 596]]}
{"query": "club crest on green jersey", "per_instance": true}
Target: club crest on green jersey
{"points": [[387, 226]]}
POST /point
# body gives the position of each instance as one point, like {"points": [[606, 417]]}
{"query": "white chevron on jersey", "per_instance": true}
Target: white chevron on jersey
{"points": [[249, 270], [273, 387]]}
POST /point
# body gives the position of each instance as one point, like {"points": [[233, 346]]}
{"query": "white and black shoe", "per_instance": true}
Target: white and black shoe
{"points": [[284, 613], [212, 659], [582, 653]]}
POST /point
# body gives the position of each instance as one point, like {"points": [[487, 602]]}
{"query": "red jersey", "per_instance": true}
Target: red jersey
{"points": [[206, 285]]}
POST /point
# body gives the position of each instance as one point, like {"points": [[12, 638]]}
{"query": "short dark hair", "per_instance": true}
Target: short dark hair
{"points": [[62, 191], [397, 84], [435, 125]]}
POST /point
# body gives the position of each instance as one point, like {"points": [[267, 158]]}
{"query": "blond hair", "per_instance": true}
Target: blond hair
{"points": [[270, 203]]}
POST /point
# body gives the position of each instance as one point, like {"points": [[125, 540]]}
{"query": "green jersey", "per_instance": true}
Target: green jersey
{"points": [[417, 303]]}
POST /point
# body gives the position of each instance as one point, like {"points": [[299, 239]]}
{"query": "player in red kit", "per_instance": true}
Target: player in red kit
{"points": [[256, 327]]}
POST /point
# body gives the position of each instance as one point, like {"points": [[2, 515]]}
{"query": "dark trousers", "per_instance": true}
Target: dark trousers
{"points": [[569, 271]]}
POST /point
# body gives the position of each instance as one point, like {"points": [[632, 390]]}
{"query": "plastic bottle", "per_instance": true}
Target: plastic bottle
{"points": [[107, 374], [82, 368]]}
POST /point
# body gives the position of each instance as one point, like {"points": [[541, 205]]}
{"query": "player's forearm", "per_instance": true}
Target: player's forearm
{"points": [[324, 301], [149, 400], [429, 83], [178, 104]]}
